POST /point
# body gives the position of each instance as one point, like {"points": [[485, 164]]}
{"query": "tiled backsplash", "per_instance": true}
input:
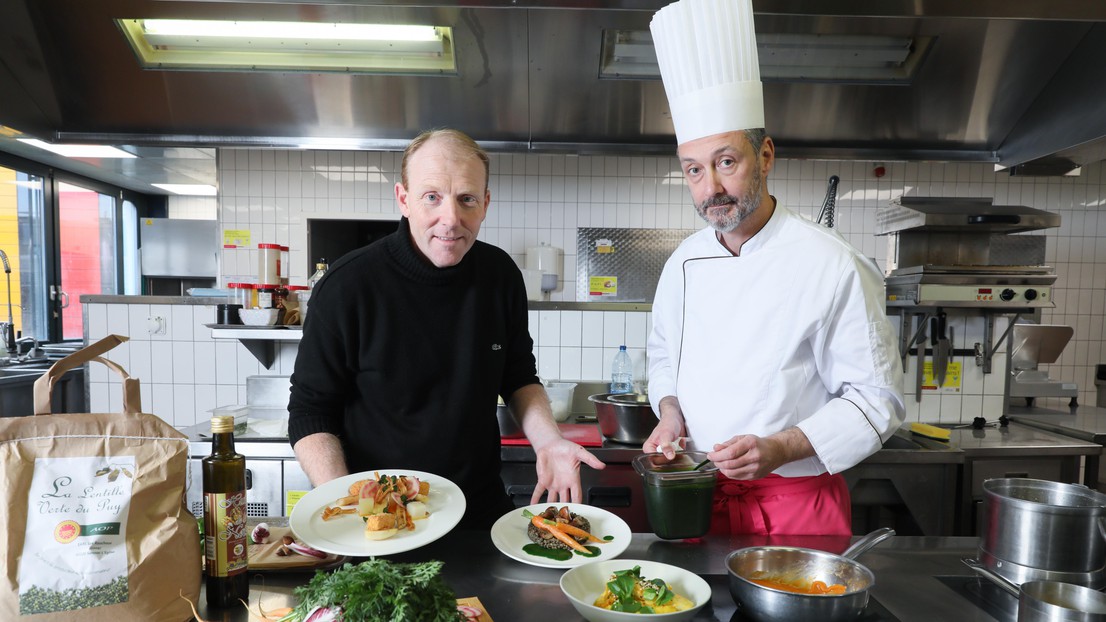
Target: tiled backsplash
{"points": [[544, 198]]}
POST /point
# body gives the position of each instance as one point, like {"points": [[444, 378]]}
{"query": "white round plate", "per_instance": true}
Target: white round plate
{"points": [[345, 535], [509, 535]]}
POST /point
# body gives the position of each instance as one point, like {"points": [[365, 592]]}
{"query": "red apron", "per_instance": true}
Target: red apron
{"points": [[813, 506]]}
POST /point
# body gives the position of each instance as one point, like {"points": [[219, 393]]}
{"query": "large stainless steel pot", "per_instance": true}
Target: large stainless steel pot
{"points": [[1049, 601], [799, 565], [629, 419], [1035, 525]]}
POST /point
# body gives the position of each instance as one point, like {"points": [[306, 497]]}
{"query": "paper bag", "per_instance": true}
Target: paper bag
{"points": [[92, 511]]}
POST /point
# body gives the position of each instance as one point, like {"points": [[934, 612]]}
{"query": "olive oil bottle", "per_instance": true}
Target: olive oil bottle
{"points": [[224, 473]]}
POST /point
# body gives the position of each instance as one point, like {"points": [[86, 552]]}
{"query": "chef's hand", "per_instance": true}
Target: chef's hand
{"points": [[748, 456], [559, 471], [665, 438]]}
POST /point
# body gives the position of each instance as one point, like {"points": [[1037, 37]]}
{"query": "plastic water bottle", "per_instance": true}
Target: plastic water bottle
{"points": [[622, 372]]}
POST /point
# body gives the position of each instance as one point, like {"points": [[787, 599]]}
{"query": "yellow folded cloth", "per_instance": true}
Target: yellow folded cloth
{"points": [[930, 431]]}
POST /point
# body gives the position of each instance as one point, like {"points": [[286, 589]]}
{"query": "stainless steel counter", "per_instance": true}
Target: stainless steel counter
{"points": [[1086, 423], [917, 579]]}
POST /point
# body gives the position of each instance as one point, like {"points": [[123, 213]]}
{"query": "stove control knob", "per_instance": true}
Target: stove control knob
{"points": [[1007, 294], [1030, 294]]}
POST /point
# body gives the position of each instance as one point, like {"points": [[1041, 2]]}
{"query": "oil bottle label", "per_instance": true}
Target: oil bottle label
{"points": [[225, 529]]}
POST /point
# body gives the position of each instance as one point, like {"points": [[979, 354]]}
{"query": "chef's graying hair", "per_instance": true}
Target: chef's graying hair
{"points": [[457, 137], [756, 138]]}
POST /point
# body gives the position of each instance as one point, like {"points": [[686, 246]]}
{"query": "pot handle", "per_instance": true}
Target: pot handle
{"points": [[993, 577], [862, 545]]}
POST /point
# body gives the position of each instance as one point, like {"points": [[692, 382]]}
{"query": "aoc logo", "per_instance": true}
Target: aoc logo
{"points": [[67, 531], [496, 347]]}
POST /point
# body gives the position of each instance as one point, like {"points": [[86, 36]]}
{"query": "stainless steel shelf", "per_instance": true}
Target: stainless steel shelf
{"points": [[261, 342]]}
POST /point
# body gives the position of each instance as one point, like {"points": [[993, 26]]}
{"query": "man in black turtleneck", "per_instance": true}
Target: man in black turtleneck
{"points": [[411, 340]]}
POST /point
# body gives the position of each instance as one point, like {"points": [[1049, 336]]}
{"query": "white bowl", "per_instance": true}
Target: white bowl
{"points": [[583, 584], [258, 317]]}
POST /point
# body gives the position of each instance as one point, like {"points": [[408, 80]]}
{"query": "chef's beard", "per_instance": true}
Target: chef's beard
{"points": [[742, 206]]}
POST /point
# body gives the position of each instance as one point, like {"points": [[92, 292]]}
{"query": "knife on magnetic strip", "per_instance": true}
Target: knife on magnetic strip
{"points": [[941, 350]]}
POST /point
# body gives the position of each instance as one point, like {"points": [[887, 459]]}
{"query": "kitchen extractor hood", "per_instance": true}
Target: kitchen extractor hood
{"points": [[1013, 82]]}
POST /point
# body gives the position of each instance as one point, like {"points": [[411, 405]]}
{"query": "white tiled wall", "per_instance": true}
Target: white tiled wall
{"points": [[183, 372], [544, 198], [192, 208]]}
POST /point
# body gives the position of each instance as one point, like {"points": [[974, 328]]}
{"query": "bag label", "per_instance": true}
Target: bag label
{"points": [[74, 550]]}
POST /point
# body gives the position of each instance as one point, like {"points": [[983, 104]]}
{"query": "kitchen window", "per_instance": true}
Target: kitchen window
{"points": [[63, 237]]}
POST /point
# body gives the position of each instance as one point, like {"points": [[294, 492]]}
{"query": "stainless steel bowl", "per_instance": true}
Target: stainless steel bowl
{"points": [[624, 418]]}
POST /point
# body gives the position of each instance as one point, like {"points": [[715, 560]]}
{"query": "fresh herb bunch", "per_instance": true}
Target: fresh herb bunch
{"points": [[381, 591], [654, 591]]}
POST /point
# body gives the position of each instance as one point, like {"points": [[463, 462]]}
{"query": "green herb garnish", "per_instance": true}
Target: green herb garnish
{"points": [[653, 591], [381, 590]]}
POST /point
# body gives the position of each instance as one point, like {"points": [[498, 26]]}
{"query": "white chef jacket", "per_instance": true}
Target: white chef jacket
{"points": [[792, 332]]}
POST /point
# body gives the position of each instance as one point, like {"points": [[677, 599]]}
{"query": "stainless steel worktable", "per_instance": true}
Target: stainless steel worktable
{"points": [[917, 578], [1087, 423]]}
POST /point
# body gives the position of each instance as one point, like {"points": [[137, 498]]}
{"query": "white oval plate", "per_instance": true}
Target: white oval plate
{"points": [[509, 535], [345, 535]]}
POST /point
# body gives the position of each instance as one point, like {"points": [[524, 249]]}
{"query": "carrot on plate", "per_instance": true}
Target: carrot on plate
{"points": [[573, 530], [540, 523]]}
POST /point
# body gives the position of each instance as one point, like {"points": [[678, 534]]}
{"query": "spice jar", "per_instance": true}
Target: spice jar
{"points": [[271, 296]]}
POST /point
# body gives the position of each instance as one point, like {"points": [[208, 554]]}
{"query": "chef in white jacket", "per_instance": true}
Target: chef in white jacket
{"points": [[770, 349]]}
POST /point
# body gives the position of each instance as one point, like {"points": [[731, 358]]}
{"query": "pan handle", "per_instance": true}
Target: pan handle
{"points": [[993, 577], [862, 545]]}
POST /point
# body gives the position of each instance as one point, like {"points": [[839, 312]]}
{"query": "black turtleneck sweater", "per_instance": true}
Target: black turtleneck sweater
{"points": [[404, 361]]}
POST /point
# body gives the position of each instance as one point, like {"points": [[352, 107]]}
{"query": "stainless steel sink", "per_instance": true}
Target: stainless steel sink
{"points": [[17, 390], [8, 372]]}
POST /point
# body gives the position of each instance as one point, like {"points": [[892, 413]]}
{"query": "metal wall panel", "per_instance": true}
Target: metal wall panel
{"points": [[631, 259]]}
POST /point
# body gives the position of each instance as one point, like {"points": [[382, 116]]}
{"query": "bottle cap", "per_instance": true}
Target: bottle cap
{"points": [[221, 424]]}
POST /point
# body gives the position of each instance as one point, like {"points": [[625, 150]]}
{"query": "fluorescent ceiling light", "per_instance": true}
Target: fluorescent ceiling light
{"points": [[194, 190], [863, 59], [78, 151], [291, 46]]}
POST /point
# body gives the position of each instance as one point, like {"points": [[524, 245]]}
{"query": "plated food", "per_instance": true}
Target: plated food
{"points": [[378, 512], [533, 535], [561, 530], [625, 590], [386, 503]]}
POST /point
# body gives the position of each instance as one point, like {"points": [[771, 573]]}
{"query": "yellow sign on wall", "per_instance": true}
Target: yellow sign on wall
{"points": [[234, 238], [603, 286], [952, 378]]}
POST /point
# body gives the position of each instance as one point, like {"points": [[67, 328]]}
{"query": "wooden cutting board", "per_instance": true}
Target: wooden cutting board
{"points": [[473, 601], [264, 556]]}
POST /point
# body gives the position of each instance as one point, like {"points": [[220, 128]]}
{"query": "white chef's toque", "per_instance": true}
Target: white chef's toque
{"points": [[707, 51]]}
